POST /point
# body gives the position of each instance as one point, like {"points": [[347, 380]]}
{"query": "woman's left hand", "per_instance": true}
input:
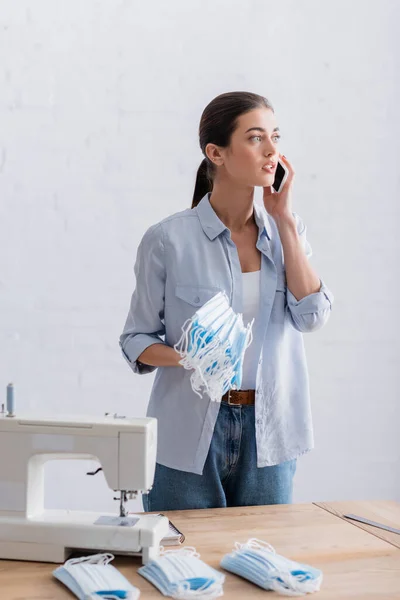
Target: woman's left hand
{"points": [[279, 205]]}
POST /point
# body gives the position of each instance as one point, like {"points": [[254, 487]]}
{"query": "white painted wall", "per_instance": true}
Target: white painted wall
{"points": [[99, 109]]}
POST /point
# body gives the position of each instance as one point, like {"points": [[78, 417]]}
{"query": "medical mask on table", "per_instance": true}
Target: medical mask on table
{"points": [[213, 344], [258, 562], [92, 577], [182, 575]]}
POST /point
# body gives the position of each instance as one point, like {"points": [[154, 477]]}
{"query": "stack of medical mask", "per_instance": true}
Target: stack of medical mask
{"points": [[258, 562], [213, 344], [182, 575], [92, 577]]}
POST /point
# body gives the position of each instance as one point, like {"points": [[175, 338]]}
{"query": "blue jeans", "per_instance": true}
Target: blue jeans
{"points": [[230, 476]]}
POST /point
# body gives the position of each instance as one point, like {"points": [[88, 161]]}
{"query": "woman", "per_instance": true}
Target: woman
{"points": [[243, 450]]}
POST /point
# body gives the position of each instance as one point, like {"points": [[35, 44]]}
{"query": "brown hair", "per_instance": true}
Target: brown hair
{"points": [[217, 123]]}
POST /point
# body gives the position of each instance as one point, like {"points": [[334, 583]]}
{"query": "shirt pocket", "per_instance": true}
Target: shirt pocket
{"points": [[189, 298], [195, 295]]}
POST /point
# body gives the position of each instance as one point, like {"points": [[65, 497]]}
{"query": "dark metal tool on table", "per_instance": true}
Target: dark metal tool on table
{"points": [[373, 523]]}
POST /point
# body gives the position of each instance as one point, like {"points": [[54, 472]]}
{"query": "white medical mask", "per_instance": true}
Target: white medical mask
{"points": [[181, 575], [217, 302], [213, 344], [199, 330], [92, 577], [258, 562]]}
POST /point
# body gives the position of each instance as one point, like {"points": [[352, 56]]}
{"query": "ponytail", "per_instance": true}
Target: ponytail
{"points": [[203, 183]]}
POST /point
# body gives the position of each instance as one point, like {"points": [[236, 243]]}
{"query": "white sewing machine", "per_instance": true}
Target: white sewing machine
{"points": [[126, 450]]}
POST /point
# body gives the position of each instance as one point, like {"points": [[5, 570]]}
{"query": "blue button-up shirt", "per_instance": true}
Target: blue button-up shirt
{"points": [[182, 262]]}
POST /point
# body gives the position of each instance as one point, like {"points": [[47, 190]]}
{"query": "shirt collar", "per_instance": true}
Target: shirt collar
{"points": [[213, 226]]}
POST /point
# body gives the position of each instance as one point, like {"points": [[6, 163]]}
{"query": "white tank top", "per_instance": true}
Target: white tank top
{"points": [[251, 302]]}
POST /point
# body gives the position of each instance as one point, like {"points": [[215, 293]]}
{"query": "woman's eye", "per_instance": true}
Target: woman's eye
{"points": [[276, 138]]}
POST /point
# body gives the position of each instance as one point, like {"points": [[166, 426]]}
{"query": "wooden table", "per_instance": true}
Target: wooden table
{"points": [[383, 512], [356, 563]]}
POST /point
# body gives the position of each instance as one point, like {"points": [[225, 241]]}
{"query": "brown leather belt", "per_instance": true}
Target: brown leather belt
{"points": [[239, 397]]}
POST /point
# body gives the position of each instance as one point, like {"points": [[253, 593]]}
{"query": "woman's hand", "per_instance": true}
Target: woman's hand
{"points": [[279, 205]]}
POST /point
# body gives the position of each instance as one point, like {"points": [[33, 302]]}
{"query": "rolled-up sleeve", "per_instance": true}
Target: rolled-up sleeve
{"points": [[145, 322], [313, 311]]}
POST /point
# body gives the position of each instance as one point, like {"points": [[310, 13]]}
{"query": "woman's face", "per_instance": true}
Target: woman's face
{"points": [[252, 155]]}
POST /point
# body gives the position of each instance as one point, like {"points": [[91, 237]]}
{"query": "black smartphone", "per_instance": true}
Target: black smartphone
{"points": [[281, 174]]}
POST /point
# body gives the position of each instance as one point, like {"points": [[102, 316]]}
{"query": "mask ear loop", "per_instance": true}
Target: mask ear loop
{"points": [[205, 359], [255, 544], [188, 344], [222, 380], [219, 369], [208, 591], [183, 342], [184, 551], [93, 559], [287, 584], [195, 335]]}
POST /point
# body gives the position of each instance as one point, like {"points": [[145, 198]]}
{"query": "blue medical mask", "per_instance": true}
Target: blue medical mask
{"points": [[258, 562], [92, 577], [213, 344], [182, 575]]}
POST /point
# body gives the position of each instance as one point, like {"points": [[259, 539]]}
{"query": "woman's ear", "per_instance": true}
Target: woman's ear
{"points": [[213, 152]]}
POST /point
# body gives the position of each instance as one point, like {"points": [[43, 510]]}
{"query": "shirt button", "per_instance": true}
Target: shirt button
{"points": [[197, 300], [259, 421]]}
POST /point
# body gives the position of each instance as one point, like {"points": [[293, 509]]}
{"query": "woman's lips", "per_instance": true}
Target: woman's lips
{"points": [[269, 168]]}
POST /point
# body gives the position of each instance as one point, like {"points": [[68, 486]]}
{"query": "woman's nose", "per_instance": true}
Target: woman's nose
{"points": [[270, 149]]}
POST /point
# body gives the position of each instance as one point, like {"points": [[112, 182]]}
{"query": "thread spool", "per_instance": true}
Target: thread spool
{"points": [[10, 400]]}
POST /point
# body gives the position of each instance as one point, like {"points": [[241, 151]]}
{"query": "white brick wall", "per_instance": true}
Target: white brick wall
{"points": [[99, 110]]}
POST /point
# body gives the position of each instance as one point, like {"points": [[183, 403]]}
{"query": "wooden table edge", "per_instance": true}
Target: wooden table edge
{"points": [[362, 526]]}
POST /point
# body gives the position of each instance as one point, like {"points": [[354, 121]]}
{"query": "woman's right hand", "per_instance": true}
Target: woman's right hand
{"points": [[160, 355]]}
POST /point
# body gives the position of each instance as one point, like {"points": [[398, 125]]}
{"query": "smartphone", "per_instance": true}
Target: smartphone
{"points": [[281, 175]]}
